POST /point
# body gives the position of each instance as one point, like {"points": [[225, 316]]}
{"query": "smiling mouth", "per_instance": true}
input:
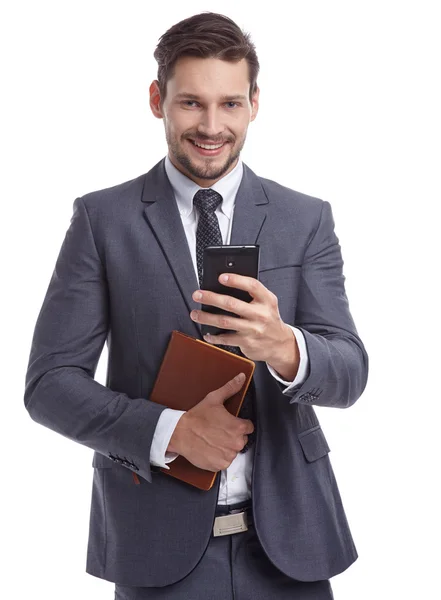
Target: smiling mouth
{"points": [[208, 146], [208, 149]]}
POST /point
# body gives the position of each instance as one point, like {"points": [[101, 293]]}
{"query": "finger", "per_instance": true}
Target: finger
{"points": [[224, 339], [232, 386], [228, 303], [253, 286], [220, 321]]}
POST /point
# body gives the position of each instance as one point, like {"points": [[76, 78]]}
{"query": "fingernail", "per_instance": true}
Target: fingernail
{"points": [[240, 377]]}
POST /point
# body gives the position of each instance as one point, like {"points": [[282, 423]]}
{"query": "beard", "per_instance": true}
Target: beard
{"points": [[206, 167]]}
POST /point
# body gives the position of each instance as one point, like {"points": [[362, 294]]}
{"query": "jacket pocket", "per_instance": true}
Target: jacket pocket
{"points": [[313, 443]]}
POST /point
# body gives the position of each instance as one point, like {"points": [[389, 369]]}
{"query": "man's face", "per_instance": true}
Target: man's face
{"points": [[207, 102]]}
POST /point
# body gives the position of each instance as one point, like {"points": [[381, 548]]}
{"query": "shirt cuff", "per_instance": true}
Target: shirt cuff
{"points": [[165, 427], [302, 373]]}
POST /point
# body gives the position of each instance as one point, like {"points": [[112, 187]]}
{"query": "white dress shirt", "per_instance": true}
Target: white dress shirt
{"points": [[235, 483]]}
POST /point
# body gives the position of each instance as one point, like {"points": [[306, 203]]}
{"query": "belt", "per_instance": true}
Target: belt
{"points": [[232, 518]]}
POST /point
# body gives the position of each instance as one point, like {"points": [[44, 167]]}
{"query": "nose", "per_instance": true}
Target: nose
{"points": [[211, 123]]}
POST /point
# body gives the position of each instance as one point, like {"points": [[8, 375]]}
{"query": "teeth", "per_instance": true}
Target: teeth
{"points": [[207, 147]]}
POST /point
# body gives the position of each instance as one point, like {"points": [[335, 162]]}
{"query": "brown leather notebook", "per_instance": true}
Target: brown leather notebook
{"points": [[190, 369]]}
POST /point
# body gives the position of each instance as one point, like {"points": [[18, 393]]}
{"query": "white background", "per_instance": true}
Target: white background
{"points": [[350, 112]]}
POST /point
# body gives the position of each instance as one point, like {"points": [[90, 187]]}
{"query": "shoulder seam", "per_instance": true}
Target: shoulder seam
{"points": [[318, 225], [81, 201]]}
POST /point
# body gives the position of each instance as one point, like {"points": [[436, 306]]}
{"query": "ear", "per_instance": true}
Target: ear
{"points": [[255, 104], [155, 100]]}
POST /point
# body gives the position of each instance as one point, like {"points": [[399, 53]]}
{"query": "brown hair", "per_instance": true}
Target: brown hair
{"points": [[207, 35]]}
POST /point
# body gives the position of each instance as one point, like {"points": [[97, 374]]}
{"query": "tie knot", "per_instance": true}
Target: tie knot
{"points": [[207, 200]]}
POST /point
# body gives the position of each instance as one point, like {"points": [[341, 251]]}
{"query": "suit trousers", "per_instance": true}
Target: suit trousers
{"points": [[234, 567]]}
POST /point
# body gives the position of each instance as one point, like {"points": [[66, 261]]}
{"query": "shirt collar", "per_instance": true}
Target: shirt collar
{"points": [[185, 189]]}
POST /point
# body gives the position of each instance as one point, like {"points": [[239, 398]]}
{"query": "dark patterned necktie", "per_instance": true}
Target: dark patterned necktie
{"points": [[208, 234]]}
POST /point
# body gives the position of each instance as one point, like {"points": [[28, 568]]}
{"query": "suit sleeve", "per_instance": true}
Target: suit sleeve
{"points": [[72, 326], [338, 362]]}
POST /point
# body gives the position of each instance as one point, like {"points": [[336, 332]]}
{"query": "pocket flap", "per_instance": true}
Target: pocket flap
{"points": [[314, 444]]}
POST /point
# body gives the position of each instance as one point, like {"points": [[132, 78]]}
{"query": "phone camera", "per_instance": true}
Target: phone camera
{"points": [[230, 262]]}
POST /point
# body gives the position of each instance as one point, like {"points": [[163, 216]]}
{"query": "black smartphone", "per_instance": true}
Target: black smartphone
{"points": [[242, 260]]}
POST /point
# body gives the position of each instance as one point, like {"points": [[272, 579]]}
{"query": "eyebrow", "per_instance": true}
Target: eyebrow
{"points": [[223, 98]]}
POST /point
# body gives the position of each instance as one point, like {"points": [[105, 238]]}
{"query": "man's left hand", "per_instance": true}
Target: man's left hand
{"points": [[261, 333]]}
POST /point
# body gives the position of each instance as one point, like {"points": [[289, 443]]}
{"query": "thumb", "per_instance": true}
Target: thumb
{"points": [[228, 390]]}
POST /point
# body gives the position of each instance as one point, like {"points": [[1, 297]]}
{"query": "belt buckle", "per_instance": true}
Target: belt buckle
{"points": [[228, 524]]}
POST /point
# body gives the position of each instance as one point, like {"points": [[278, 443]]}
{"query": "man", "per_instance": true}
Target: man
{"points": [[273, 525]]}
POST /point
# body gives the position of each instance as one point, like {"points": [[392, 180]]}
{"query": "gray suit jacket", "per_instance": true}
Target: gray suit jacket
{"points": [[124, 274]]}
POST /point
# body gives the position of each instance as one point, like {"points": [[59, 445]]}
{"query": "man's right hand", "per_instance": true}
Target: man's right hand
{"points": [[208, 435]]}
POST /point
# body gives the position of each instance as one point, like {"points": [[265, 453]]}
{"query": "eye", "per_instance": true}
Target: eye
{"points": [[188, 102], [235, 103]]}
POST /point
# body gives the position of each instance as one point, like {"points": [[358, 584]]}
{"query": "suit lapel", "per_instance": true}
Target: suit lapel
{"points": [[162, 215]]}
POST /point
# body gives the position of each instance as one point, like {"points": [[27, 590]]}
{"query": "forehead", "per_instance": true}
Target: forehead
{"points": [[208, 77]]}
